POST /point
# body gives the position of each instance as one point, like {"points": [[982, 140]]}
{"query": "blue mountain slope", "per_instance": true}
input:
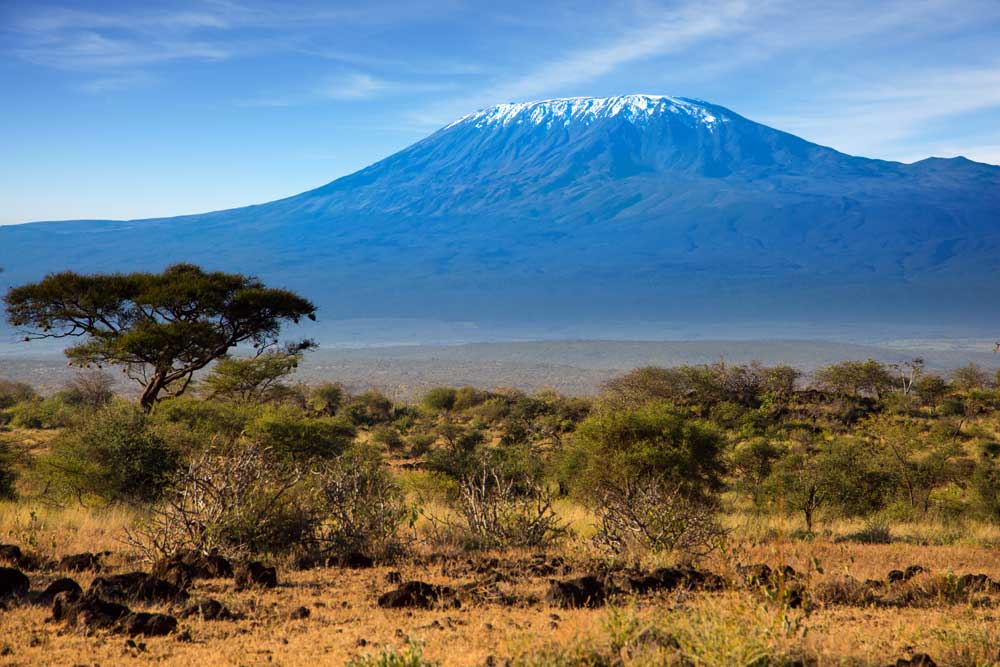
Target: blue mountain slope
{"points": [[584, 209]]}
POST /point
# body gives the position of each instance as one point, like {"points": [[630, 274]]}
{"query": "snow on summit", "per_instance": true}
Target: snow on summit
{"points": [[567, 110]]}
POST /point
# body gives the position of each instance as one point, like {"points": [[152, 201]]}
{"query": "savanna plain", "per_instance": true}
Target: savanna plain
{"points": [[703, 515]]}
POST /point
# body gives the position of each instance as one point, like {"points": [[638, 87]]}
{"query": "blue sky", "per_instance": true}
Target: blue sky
{"points": [[140, 109]]}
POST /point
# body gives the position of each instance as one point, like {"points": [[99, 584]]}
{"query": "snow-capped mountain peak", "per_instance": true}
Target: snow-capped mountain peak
{"points": [[568, 110]]}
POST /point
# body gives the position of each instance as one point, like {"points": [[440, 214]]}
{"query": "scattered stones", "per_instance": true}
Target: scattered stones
{"points": [[588, 591], [146, 624], [255, 575], [80, 562], [419, 595], [13, 583], [299, 613], [208, 609]]}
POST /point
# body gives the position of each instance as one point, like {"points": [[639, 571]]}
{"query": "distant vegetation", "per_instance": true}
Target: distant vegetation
{"points": [[689, 464]]}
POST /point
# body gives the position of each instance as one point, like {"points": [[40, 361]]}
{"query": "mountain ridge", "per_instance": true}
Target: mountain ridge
{"points": [[635, 207]]}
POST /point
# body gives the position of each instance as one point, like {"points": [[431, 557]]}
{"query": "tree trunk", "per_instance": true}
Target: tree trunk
{"points": [[151, 391]]}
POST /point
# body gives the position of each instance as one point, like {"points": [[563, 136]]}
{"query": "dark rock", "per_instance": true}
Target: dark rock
{"points": [[976, 582], [917, 660], [299, 613], [88, 610], [208, 566], [912, 571], [138, 587], [255, 575], [13, 583], [418, 594], [181, 569], [761, 574], [63, 585], [11, 553], [208, 609], [146, 624], [895, 576], [357, 561], [585, 591], [80, 562], [669, 578]]}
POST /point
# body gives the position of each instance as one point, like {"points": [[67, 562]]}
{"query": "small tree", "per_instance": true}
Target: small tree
{"points": [[161, 327], [855, 378], [649, 473], [257, 379], [968, 378]]}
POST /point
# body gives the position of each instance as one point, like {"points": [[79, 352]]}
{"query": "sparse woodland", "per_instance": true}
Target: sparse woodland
{"points": [[698, 515]]}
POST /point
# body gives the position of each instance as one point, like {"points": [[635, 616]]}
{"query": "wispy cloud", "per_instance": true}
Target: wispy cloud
{"points": [[116, 82], [873, 115]]}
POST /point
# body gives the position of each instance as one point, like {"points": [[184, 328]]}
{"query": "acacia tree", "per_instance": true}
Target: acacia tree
{"points": [[160, 327]]}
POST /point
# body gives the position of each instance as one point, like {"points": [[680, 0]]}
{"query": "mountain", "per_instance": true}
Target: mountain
{"points": [[593, 211]]}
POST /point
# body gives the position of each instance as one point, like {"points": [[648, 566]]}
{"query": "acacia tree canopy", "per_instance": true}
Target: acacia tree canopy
{"points": [[162, 327]]}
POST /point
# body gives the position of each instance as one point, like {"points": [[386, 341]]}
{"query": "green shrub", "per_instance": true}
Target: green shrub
{"points": [[439, 399], [651, 442], [113, 455], [368, 409], [8, 473], [420, 444], [387, 437], [290, 432], [12, 393], [208, 420], [50, 412], [389, 656], [469, 397], [326, 398]]}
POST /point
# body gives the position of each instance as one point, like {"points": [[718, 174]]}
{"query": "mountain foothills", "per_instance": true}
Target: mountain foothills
{"points": [[639, 207]]}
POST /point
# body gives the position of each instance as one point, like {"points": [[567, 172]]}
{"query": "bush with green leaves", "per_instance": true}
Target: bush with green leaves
{"points": [[439, 399], [368, 409], [387, 437], [389, 656], [650, 474], [113, 455], [8, 472], [326, 398], [256, 379], [288, 431], [211, 422], [12, 393], [43, 413]]}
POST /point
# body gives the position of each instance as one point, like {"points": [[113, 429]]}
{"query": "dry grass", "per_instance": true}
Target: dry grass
{"points": [[733, 627]]}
